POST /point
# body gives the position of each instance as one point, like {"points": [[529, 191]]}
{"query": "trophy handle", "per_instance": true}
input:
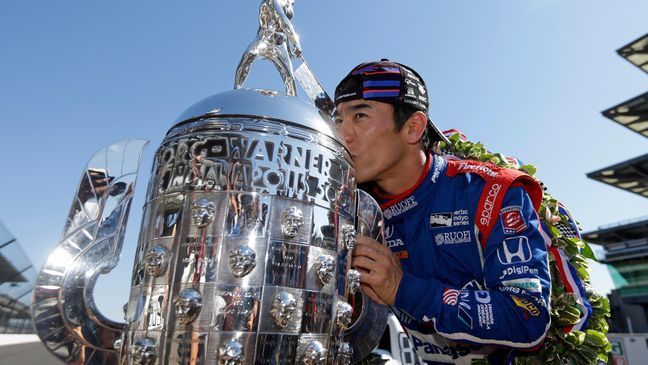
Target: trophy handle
{"points": [[366, 331], [64, 314]]}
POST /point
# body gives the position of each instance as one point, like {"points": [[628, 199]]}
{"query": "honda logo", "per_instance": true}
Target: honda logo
{"points": [[389, 231], [514, 250]]}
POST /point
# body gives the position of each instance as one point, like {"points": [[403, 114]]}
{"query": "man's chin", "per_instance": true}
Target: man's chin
{"points": [[362, 179]]}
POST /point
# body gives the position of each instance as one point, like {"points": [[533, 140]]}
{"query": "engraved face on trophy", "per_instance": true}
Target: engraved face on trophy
{"points": [[143, 352], [283, 308], [230, 353], [203, 212], [353, 280], [292, 220], [349, 236], [344, 353], [156, 260], [325, 267], [188, 305], [343, 314], [242, 260], [314, 354]]}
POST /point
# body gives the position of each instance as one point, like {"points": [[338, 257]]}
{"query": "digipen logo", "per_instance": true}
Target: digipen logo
{"points": [[514, 250]]}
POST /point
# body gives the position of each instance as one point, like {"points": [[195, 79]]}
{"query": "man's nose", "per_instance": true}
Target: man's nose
{"points": [[346, 131]]}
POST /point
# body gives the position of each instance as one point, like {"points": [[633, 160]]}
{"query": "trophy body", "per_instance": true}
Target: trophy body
{"points": [[241, 256]]}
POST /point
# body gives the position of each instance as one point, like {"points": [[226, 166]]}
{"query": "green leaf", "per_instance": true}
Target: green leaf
{"points": [[587, 251], [595, 338], [529, 169]]}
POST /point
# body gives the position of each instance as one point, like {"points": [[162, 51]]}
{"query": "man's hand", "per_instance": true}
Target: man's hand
{"points": [[380, 270]]}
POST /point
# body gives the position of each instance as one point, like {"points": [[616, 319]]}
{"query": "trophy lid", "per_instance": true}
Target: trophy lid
{"points": [[261, 103]]}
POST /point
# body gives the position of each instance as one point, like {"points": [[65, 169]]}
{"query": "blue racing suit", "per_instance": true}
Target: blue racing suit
{"points": [[462, 299]]}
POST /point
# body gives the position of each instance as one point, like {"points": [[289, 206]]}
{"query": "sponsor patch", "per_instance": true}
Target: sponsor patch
{"points": [[439, 163], [463, 311], [514, 250], [395, 243], [392, 242], [466, 167], [482, 296], [530, 284], [526, 305], [518, 270], [435, 348], [402, 255], [440, 220], [489, 204], [512, 220], [460, 218], [389, 231], [451, 238], [464, 315], [485, 315], [450, 296], [400, 207]]}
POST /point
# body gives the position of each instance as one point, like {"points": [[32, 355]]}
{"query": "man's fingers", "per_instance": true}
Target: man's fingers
{"points": [[367, 241], [365, 266], [367, 252], [371, 294], [371, 249]]}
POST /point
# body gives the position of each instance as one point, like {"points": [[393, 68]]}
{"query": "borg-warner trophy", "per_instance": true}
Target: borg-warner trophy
{"points": [[244, 250]]}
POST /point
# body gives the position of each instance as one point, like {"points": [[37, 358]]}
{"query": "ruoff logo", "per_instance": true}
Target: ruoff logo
{"points": [[400, 207], [487, 208], [450, 296], [514, 250], [450, 238]]}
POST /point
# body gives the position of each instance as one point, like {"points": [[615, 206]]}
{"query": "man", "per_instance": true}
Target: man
{"points": [[465, 268]]}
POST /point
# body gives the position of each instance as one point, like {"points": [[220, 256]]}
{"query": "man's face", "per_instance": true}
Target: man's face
{"points": [[291, 222], [242, 261], [203, 212], [368, 129]]}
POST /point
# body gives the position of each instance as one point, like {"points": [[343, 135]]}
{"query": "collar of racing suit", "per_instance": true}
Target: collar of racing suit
{"points": [[387, 201]]}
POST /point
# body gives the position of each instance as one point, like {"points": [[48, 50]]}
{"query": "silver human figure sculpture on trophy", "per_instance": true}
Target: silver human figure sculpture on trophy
{"points": [[276, 40]]}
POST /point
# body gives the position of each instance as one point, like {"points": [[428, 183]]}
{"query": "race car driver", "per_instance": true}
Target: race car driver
{"points": [[465, 267]]}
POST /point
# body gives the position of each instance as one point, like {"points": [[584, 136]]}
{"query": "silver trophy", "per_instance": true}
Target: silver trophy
{"points": [[244, 250]]}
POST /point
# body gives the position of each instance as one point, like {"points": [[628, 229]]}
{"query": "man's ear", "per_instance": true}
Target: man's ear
{"points": [[414, 127]]}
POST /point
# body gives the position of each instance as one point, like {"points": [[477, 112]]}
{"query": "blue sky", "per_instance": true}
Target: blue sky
{"points": [[527, 78]]}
